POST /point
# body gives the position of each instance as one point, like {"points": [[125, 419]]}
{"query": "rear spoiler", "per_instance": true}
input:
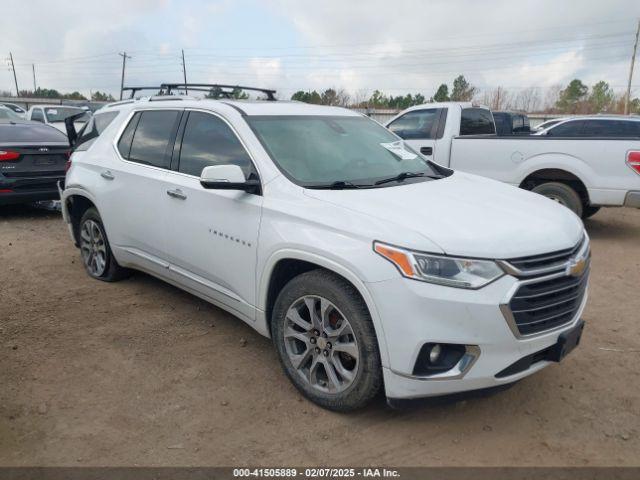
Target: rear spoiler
{"points": [[72, 135]]}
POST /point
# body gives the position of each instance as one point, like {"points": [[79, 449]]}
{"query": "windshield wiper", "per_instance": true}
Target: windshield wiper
{"points": [[403, 176], [337, 185]]}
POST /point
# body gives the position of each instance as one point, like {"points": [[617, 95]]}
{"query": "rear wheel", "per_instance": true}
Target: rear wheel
{"points": [[96, 254], [561, 193], [589, 211], [327, 345]]}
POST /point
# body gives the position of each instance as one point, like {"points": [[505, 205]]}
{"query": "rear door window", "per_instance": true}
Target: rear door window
{"points": [[476, 121], [417, 124], [153, 136]]}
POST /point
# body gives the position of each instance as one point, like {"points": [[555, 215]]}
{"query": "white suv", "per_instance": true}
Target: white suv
{"points": [[369, 266]]}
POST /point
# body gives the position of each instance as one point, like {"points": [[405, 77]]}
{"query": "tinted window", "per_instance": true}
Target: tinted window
{"points": [[31, 133], [476, 121], [209, 141], [152, 137], [502, 123], [15, 108], [93, 128], [567, 129], [416, 124], [610, 128], [37, 116], [124, 144]]}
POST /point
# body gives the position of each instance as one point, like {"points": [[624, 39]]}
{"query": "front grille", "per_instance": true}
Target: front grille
{"points": [[533, 264], [547, 304]]}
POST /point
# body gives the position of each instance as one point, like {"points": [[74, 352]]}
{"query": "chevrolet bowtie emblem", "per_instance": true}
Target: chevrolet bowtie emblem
{"points": [[576, 266]]}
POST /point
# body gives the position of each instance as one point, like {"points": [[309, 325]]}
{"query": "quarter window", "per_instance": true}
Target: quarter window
{"points": [[152, 137], [208, 141], [93, 128], [476, 121], [124, 144], [417, 124]]}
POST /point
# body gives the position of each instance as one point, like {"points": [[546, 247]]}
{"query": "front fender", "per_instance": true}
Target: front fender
{"points": [[331, 265]]}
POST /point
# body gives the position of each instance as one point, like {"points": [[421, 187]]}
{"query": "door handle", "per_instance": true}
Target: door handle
{"points": [[107, 175], [177, 193], [426, 150]]}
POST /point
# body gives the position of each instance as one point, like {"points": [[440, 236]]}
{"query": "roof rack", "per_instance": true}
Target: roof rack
{"points": [[134, 90], [225, 90]]}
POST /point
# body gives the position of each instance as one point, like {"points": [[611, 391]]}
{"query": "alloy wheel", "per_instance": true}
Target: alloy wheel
{"points": [[93, 248], [321, 344]]}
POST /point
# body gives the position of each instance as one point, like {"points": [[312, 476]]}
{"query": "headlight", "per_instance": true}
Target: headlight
{"points": [[450, 271]]}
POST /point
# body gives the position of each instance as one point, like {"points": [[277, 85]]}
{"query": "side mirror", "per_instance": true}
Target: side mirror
{"points": [[227, 177]]}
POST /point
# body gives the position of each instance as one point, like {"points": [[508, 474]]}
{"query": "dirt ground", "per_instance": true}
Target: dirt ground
{"points": [[141, 373]]}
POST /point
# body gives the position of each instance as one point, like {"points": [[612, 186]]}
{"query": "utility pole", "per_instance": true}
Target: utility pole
{"points": [[124, 63], [15, 79], [184, 72], [33, 67], [633, 61]]}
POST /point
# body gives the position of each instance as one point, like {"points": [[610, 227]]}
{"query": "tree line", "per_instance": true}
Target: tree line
{"points": [[574, 98], [96, 96]]}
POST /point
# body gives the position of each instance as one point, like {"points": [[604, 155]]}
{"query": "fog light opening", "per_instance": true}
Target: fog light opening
{"points": [[434, 354]]}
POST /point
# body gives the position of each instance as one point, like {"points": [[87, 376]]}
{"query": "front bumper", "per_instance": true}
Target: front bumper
{"points": [[413, 313]]}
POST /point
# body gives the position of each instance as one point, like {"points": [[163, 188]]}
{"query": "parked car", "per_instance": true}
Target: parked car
{"points": [[32, 161], [8, 114], [369, 266], [594, 126], [21, 112], [511, 123], [54, 115], [582, 172]]}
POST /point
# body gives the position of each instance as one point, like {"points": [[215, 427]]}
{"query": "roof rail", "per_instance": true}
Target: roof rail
{"points": [[134, 90], [225, 90]]}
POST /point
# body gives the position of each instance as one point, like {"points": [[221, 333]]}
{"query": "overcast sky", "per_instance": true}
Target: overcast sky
{"points": [[396, 46]]}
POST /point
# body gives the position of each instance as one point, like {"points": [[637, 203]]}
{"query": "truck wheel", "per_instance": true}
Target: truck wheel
{"points": [[95, 251], [325, 338], [589, 211], [561, 193]]}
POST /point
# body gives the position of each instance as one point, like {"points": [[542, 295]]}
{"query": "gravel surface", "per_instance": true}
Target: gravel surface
{"points": [[141, 373]]}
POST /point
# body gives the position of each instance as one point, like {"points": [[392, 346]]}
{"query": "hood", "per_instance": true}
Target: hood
{"points": [[467, 215]]}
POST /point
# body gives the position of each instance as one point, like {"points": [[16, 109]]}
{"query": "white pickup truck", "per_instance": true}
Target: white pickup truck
{"points": [[583, 173]]}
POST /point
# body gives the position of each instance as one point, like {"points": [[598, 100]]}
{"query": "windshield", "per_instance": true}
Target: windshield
{"points": [[58, 114], [321, 150], [6, 114]]}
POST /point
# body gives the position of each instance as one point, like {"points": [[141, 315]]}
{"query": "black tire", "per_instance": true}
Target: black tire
{"points": [[589, 211], [367, 380], [561, 193], [112, 272]]}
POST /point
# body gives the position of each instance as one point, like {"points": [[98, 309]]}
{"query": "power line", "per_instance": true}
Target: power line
{"points": [[184, 72]]}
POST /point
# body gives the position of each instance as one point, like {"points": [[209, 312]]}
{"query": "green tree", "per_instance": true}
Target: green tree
{"points": [[307, 97], [462, 91], [217, 93], [98, 96], [74, 96], [572, 97], [442, 94], [378, 100], [601, 97]]}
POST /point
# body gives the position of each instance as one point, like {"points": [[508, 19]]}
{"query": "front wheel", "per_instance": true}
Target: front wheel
{"points": [[561, 193], [327, 345]]}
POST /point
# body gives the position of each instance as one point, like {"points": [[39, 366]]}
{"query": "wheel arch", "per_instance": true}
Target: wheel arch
{"points": [[285, 265], [560, 175], [75, 204]]}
